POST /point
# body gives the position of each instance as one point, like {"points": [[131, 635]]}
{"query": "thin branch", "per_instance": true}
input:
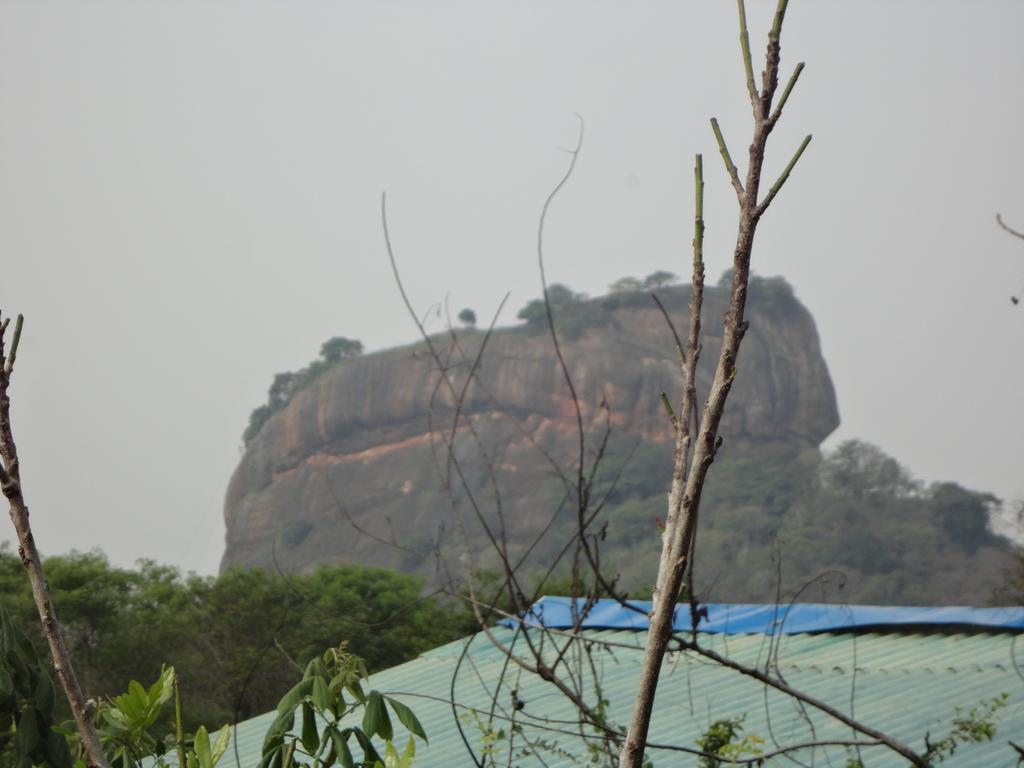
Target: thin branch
{"points": [[15, 341], [668, 409], [574, 154], [894, 744], [453, 391], [785, 94], [782, 178], [780, 16], [1004, 225], [748, 65], [548, 724], [688, 407], [31, 560], [773, 54], [672, 327], [730, 166]]}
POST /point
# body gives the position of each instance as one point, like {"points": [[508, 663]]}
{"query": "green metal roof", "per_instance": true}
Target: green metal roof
{"points": [[905, 684]]}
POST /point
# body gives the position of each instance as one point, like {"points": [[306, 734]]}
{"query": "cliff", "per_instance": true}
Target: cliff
{"points": [[353, 468]]}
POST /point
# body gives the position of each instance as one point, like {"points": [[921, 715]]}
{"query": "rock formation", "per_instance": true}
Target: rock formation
{"points": [[354, 468]]}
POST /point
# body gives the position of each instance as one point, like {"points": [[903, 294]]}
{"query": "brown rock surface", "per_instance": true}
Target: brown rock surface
{"points": [[354, 464]]}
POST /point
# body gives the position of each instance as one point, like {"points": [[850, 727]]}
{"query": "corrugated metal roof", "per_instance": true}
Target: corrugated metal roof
{"points": [[746, 618], [904, 683]]}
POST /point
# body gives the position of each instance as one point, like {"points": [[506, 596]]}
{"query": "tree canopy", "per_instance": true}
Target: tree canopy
{"points": [[234, 639]]}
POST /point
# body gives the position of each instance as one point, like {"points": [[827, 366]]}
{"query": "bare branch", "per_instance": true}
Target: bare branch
{"points": [[785, 94], [10, 480], [748, 65], [782, 178], [574, 154], [688, 407], [668, 410], [1004, 225], [672, 327], [773, 54], [15, 341], [730, 166], [894, 744]]}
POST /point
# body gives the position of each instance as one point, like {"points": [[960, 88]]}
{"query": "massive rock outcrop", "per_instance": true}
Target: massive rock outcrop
{"points": [[354, 468]]}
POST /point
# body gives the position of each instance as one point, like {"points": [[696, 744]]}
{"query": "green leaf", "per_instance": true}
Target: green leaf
{"points": [[27, 737], [356, 690], [341, 748], [294, 697], [44, 695], [369, 752], [321, 695], [138, 694], [393, 760], [407, 718], [202, 748], [56, 749], [271, 760], [276, 733], [310, 733], [408, 755], [6, 684], [375, 717], [161, 691], [220, 746]]}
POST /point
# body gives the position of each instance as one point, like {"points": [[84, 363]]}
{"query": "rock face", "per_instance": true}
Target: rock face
{"points": [[355, 467]]}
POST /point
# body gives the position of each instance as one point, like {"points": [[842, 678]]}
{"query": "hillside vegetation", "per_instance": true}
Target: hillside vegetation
{"points": [[349, 465]]}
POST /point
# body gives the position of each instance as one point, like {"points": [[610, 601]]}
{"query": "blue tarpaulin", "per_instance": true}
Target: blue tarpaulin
{"points": [[753, 618]]}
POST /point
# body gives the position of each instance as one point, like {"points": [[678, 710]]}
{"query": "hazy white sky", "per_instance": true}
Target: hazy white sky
{"points": [[189, 203]]}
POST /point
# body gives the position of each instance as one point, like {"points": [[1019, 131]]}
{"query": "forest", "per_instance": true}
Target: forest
{"points": [[239, 641]]}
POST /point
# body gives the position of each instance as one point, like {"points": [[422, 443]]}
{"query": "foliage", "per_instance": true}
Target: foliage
{"points": [[467, 317], [654, 281], [575, 312], [136, 730], [799, 514], [338, 348], [626, 285], [130, 740], [320, 698], [660, 279], [232, 638], [28, 705], [720, 739], [976, 726], [284, 386], [572, 311]]}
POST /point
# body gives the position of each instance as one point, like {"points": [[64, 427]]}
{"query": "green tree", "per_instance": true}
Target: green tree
{"points": [[285, 385], [28, 705], [660, 279], [468, 317], [626, 285], [963, 514], [281, 390], [340, 348], [572, 311], [863, 469], [235, 639]]}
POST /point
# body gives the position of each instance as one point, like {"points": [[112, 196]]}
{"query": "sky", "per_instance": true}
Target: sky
{"points": [[190, 193]]}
